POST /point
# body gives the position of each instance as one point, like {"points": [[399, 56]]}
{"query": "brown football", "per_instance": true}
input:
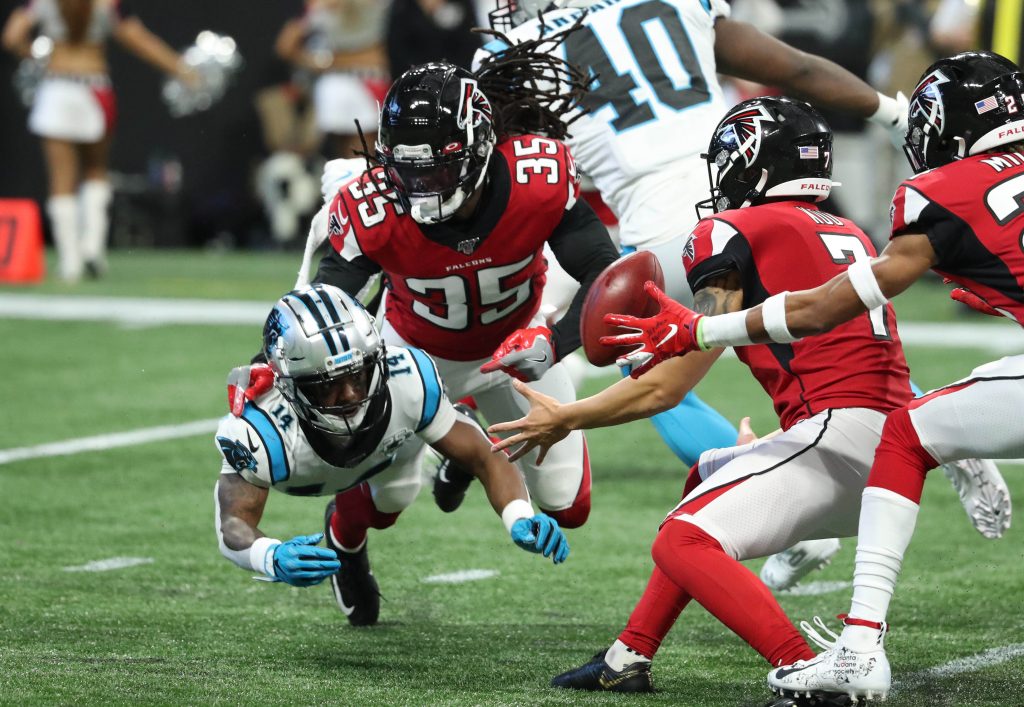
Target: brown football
{"points": [[619, 289]]}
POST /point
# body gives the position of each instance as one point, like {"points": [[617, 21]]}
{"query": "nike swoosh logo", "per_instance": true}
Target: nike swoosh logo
{"points": [[347, 610], [252, 447], [542, 359], [783, 672], [673, 329]]}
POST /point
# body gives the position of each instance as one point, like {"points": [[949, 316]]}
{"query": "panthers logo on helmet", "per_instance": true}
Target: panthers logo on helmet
{"points": [[744, 131], [473, 106], [236, 454], [273, 329], [927, 100]]}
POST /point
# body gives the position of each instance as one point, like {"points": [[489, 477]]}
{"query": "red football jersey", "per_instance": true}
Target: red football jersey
{"points": [[971, 210], [459, 299], [788, 246]]}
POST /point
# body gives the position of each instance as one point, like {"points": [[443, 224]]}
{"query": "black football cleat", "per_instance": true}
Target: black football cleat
{"points": [[451, 481], [598, 676], [354, 586]]}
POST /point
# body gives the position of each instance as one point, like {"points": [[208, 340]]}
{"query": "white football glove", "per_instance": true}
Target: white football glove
{"points": [[338, 172]]}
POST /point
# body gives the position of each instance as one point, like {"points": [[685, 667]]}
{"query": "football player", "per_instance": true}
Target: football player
{"points": [[455, 214], [769, 163], [647, 117], [961, 216], [349, 417]]}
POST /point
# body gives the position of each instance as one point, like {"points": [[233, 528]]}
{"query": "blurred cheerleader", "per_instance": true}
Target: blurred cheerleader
{"points": [[74, 112], [342, 42]]}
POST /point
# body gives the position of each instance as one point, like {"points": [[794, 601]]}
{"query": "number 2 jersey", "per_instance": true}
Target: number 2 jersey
{"points": [[457, 289], [651, 111], [267, 447], [788, 246], [971, 211]]}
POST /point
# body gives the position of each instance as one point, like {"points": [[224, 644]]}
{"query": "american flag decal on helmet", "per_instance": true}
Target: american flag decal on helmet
{"points": [[746, 127], [927, 101]]}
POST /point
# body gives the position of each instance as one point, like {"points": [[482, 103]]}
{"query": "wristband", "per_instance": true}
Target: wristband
{"points": [[865, 284], [773, 313], [516, 510], [723, 330], [261, 555], [888, 113]]}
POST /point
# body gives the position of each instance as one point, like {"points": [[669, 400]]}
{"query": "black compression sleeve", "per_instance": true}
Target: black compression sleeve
{"points": [[348, 275], [582, 247]]}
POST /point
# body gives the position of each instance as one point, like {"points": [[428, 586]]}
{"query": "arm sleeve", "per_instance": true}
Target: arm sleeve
{"points": [[352, 276], [582, 247]]}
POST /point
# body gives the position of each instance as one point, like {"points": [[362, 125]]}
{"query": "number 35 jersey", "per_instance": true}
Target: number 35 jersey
{"points": [[651, 111], [972, 212], [268, 448], [791, 245], [458, 292]]}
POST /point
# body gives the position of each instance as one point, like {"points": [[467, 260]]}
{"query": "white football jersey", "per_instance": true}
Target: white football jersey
{"points": [[267, 448], [652, 110]]}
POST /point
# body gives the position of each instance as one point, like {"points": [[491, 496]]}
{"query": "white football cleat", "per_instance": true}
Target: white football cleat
{"points": [[983, 494], [860, 674], [784, 569]]}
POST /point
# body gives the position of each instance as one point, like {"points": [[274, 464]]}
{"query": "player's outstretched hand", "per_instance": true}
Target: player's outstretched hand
{"points": [[670, 332], [300, 563], [248, 383], [542, 426], [974, 301], [526, 354], [542, 535]]}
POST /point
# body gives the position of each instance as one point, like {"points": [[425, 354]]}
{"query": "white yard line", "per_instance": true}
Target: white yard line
{"points": [[959, 666], [113, 563], [813, 589], [110, 441], [998, 337], [460, 577]]}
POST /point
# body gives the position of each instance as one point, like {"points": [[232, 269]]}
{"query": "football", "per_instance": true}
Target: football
{"points": [[619, 289]]}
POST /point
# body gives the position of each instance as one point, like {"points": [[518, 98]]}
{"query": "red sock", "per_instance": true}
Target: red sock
{"points": [[698, 565], [354, 513], [654, 615], [901, 463]]}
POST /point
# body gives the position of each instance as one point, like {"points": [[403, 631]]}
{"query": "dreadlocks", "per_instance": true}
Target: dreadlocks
{"points": [[529, 88]]}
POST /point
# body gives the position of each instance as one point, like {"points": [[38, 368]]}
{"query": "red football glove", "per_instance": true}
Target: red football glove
{"points": [[670, 332], [526, 354], [248, 383], [974, 301]]}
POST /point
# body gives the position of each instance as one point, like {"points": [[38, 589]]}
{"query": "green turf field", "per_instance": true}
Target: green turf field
{"points": [[191, 628]]}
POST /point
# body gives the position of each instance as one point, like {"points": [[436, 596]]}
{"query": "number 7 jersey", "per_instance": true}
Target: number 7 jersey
{"points": [[789, 246], [459, 292]]}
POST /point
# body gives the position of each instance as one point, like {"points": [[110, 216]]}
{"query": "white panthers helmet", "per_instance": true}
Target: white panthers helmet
{"points": [[329, 361]]}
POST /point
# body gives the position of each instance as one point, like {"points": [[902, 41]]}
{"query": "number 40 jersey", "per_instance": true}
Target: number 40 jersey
{"points": [[651, 111]]}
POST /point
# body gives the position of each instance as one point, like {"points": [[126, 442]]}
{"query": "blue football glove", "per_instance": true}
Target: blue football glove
{"points": [[541, 534], [300, 563]]}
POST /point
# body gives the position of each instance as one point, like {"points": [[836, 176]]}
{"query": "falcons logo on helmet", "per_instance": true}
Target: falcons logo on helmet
{"points": [[473, 105], [927, 100], [744, 131]]}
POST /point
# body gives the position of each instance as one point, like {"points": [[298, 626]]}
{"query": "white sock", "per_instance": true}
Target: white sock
{"points": [[887, 523], [63, 213], [94, 198], [620, 655]]}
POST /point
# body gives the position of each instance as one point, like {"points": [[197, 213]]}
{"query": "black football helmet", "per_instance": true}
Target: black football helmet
{"points": [[964, 105], [768, 147], [436, 138]]}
